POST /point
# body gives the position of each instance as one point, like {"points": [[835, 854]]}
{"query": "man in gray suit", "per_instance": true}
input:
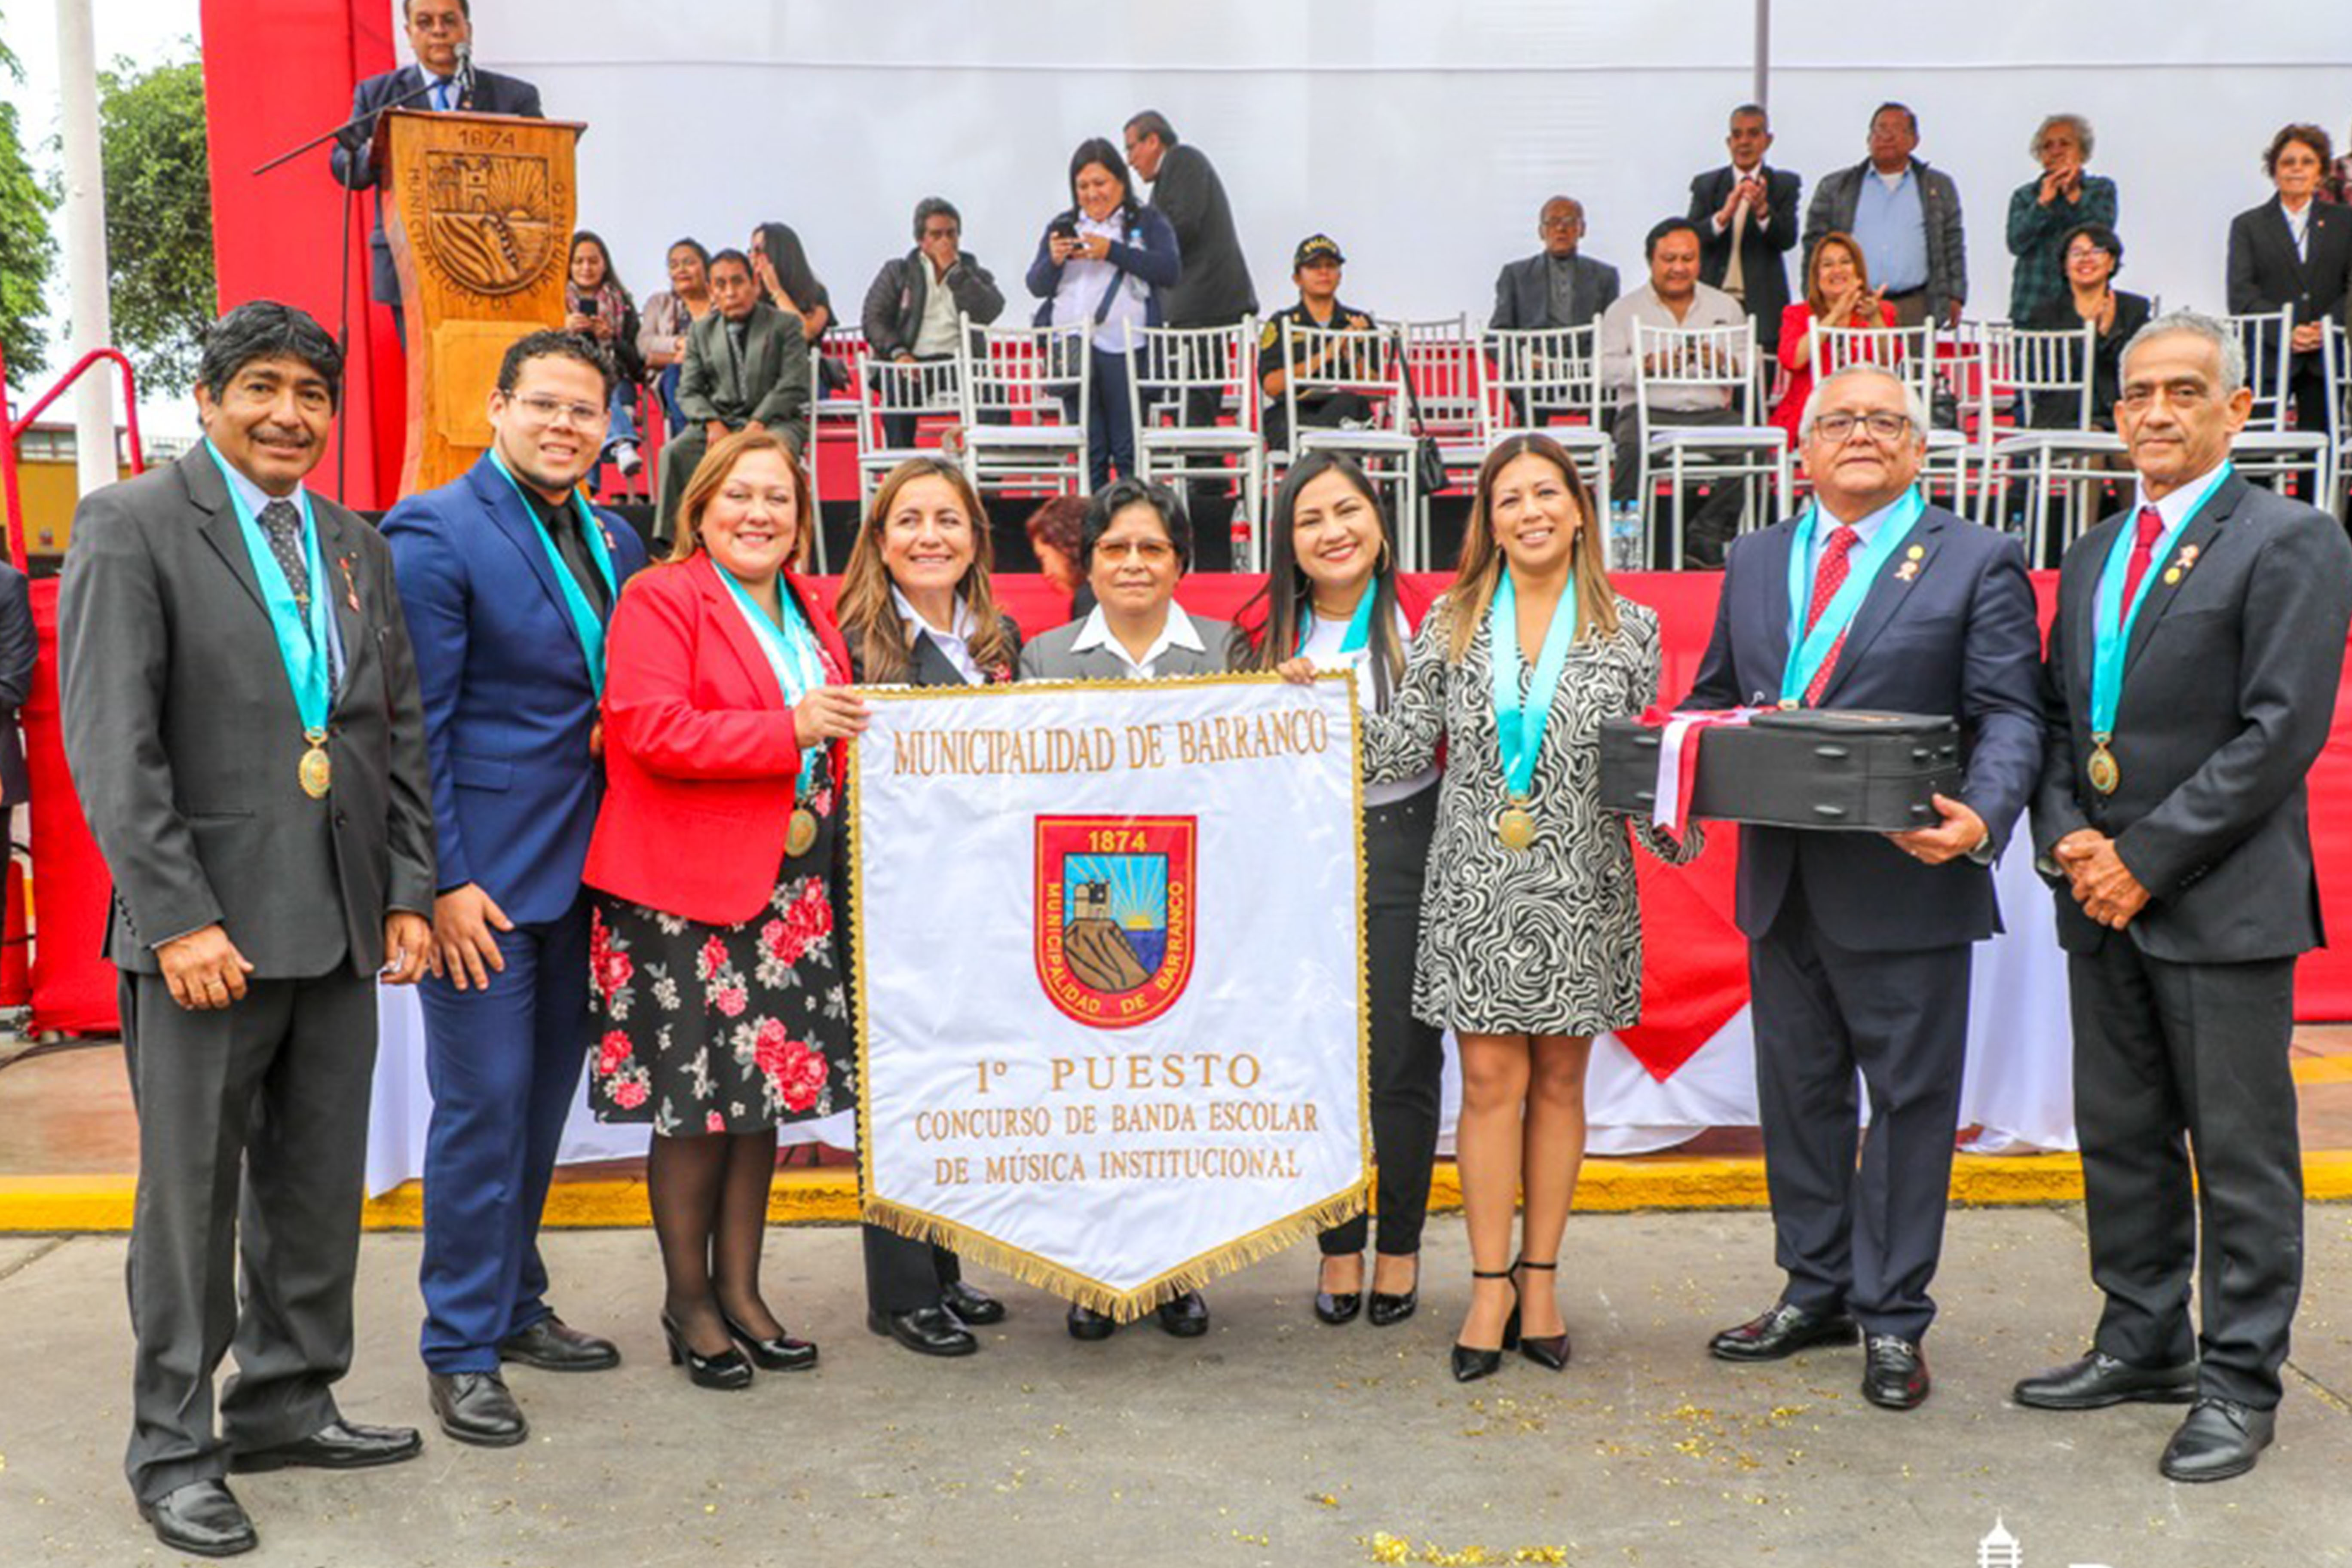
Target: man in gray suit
{"points": [[747, 367], [242, 717], [2192, 676], [1555, 287]]}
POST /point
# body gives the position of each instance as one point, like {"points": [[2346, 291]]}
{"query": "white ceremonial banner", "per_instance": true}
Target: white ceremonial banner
{"points": [[1110, 993]]}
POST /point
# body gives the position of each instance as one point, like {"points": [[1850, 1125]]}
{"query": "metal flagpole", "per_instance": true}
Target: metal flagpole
{"points": [[84, 232], [1761, 89]]}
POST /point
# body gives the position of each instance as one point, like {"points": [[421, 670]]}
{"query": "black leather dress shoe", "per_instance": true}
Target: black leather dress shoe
{"points": [[2099, 1380], [1337, 1307], [1894, 1377], [782, 1353], [1186, 1317], [338, 1445], [925, 1331], [1782, 1332], [974, 1307], [1387, 1310], [551, 1344], [1085, 1323], [203, 1519], [474, 1407], [2221, 1438]]}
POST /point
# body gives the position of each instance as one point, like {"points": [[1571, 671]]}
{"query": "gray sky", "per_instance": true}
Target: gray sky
{"points": [[144, 31]]}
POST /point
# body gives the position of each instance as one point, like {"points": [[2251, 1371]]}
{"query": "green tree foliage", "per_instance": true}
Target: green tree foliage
{"points": [[26, 246], [159, 217]]}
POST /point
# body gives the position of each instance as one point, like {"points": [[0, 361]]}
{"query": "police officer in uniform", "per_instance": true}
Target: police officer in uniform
{"points": [[1315, 268]]}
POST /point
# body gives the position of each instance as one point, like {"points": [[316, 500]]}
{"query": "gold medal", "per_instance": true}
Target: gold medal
{"points": [[1517, 825], [2104, 773], [802, 835], [316, 772]]}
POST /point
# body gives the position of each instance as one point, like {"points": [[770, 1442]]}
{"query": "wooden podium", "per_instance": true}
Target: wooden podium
{"points": [[478, 208]]}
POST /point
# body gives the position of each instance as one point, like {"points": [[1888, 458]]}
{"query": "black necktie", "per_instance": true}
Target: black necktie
{"points": [[283, 525], [563, 527]]}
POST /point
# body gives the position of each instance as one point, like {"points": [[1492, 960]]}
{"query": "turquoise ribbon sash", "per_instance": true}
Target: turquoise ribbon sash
{"points": [[2112, 620], [1360, 624], [792, 653], [1519, 729], [301, 631], [586, 625], [1808, 650]]}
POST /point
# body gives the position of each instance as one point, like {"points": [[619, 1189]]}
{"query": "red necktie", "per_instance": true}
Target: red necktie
{"points": [[2151, 529], [1828, 578]]}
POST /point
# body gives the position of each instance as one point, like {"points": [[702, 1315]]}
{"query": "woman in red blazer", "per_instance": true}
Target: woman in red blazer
{"points": [[1333, 594], [1837, 294], [718, 984]]}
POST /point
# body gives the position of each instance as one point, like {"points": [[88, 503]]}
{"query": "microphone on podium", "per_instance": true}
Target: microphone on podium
{"points": [[465, 74]]}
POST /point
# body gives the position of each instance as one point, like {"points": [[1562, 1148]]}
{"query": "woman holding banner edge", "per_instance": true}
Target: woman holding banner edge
{"points": [[916, 609], [719, 995], [1532, 935], [1333, 599]]}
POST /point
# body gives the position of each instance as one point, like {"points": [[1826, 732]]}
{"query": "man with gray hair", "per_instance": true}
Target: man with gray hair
{"points": [[911, 305], [2191, 676], [1859, 943]]}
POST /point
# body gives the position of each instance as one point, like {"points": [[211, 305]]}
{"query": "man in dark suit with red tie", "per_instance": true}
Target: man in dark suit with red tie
{"points": [[1859, 943], [441, 36], [2191, 679]]}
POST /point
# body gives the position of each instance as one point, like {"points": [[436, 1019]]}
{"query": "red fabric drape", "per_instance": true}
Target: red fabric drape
{"points": [[279, 73]]}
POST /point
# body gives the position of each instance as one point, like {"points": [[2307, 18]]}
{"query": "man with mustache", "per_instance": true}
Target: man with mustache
{"points": [[242, 715]]}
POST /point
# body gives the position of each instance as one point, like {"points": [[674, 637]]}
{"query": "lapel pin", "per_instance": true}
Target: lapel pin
{"points": [[350, 584], [2171, 576], [1908, 569], [1916, 552]]}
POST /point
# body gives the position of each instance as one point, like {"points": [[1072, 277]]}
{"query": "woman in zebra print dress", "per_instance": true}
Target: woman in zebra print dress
{"points": [[1531, 932]]}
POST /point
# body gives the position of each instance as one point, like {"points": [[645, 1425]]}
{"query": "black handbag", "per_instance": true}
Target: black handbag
{"points": [[1428, 463]]}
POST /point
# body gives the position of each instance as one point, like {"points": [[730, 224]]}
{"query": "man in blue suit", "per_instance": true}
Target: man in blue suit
{"points": [[441, 37], [1858, 944], [507, 577]]}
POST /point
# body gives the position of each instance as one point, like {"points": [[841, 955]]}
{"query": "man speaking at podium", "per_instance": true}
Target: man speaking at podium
{"points": [[441, 37]]}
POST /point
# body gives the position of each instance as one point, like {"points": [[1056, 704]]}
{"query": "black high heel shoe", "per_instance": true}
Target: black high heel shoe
{"points": [[1551, 1352], [783, 1353], [1470, 1363], [726, 1372], [1337, 1307], [1387, 1310]]}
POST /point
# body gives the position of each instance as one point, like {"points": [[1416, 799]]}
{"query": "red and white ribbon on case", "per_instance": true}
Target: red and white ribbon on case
{"points": [[1678, 757]]}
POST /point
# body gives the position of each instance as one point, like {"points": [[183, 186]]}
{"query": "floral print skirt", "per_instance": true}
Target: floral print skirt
{"points": [[723, 1028]]}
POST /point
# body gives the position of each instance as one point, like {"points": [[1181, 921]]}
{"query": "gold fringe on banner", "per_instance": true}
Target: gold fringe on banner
{"points": [[1122, 1306]]}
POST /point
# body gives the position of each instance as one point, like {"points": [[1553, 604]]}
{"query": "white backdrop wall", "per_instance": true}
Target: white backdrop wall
{"points": [[1422, 136]]}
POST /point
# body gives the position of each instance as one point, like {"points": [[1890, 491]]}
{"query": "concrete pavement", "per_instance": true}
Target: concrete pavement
{"points": [[1273, 1441]]}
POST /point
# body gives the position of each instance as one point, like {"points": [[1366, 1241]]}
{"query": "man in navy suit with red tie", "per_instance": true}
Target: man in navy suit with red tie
{"points": [[1859, 943], [507, 577], [441, 36]]}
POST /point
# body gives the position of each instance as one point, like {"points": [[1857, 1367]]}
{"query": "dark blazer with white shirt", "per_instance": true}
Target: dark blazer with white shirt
{"points": [[352, 156], [1763, 274], [1049, 655], [2265, 272]]}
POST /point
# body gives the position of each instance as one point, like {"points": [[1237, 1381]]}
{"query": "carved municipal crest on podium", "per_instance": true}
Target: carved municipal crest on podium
{"points": [[489, 222]]}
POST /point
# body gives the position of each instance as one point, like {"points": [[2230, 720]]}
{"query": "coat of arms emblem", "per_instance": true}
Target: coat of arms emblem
{"points": [[488, 220], [1114, 921]]}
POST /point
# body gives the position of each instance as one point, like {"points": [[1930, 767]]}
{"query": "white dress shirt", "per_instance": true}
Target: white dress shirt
{"points": [[1179, 632], [955, 642]]}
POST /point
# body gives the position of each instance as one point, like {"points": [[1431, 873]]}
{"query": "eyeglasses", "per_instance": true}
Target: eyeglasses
{"points": [[1150, 551], [1882, 427], [1562, 220], [556, 410]]}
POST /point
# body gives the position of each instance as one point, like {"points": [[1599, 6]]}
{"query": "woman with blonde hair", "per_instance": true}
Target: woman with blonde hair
{"points": [[916, 609], [719, 998], [1530, 928]]}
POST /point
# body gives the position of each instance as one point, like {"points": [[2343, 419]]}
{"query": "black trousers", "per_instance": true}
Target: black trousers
{"points": [[1407, 1056], [903, 1274], [2164, 1050], [1865, 1239], [252, 1152]]}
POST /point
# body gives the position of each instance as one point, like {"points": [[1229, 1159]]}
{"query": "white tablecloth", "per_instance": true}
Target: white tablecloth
{"points": [[2020, 1084]]}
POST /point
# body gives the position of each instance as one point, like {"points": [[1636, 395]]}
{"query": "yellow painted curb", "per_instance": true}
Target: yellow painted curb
{"points": [[54, 1204]]}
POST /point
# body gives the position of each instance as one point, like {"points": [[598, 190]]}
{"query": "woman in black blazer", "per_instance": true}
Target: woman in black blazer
{"points": [[2089, 257], [2296, 250], [916, 610]]}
